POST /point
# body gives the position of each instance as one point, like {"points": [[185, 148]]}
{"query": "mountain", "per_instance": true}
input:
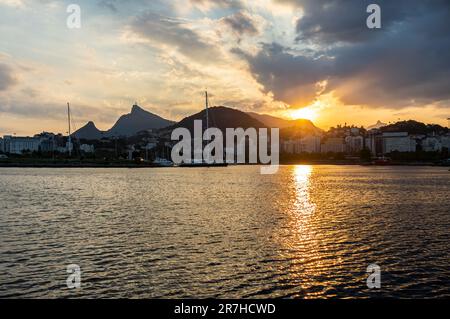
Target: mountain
{"points": [[414, 127], [137, 120], [378, 125], [306, 126], [221, 117], [88, 132], [270, 121], [224, 117], [127, 125]]}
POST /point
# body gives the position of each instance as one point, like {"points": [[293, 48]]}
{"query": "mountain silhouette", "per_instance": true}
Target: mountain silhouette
{"points": [[221, 117], [378, 125], [127, 125], [276, 122], [88, 132], [137, 120], [415, 127]]}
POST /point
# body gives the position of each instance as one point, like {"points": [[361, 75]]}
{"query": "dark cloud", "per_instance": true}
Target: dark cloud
{"points": [[173, 32], [241, 23], [109, 4], [291, 78], [405, 63], [7, 77], [331, 21]]}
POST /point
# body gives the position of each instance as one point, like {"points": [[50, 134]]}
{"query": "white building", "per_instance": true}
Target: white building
{"points": [[333, 145], [354, 144], [19, 145], [398, 141]]}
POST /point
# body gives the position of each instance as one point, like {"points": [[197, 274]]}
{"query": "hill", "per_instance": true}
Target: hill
{"points": [[137, 120], [128, 125], [221, 117], [301, 125], [414, 127], [88, 132]]}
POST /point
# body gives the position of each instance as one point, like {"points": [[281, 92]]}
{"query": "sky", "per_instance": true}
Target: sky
{"points": [[289, 58]]}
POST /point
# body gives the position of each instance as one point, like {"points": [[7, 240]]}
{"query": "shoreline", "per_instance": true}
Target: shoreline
{"points": [[144, 165]]}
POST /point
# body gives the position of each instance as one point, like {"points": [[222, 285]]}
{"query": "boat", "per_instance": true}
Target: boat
{"points": [[162, 162], [382, 161], [203, 163]]}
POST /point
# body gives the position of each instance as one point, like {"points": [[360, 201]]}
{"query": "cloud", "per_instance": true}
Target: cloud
{"points": [[109, 4], [13, 3], [49, 110], [174, 33], [7, 77], [291, 78], [241, 23], [206, 5], [331, 21], [403, 64]]}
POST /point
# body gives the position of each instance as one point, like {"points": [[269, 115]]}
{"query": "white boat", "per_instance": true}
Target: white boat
{"points": [[162, 162]]}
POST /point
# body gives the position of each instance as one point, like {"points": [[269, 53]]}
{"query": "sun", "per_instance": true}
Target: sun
{"points": [[304, 113]]}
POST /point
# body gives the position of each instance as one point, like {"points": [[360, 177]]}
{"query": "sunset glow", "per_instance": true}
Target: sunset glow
{"points": [[225, 158], [306, 113], [162, 54]]}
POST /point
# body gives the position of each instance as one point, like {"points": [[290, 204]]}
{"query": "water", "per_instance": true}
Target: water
{"points": [[307, 232]]}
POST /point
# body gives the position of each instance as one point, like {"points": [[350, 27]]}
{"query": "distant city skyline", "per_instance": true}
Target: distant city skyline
{"points": [[287, 58]]}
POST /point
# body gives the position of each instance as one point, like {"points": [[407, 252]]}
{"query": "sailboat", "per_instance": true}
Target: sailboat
{"points": [[163, 161], [204, 163], [69, 144]]}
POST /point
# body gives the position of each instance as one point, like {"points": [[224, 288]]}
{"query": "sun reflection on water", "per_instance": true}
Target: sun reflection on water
{"points": [[303, 205], [312, 256], [301, 244]]}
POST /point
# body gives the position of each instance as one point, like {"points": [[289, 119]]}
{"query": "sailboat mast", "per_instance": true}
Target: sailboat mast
{"points": [[207, 115], [70, 133]]}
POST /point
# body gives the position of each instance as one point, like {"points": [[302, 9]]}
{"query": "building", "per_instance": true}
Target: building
{"points": [[150, 146], [20, 145], [355, 131], [374, 142], [384, 143], [354, 144], [333, 145], [431, 144], [43, 142], [307, 144], [49, 141], [445, 141], [398, 142], [2, 149], [87, 148]]}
